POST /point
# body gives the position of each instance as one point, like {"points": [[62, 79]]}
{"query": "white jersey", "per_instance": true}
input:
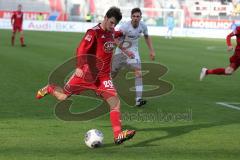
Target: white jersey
{"points": [[131, 37]]}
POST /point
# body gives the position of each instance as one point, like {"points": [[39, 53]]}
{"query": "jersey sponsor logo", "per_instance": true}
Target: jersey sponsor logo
{"points": [[19, 15], [133, 37], [88, 37], [108, 46]]}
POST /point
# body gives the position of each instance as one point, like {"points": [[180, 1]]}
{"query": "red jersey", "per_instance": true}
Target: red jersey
{"points": [[236, 33], [17, 18], [95, 51]]}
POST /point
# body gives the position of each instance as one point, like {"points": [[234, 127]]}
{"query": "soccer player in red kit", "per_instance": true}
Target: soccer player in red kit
{"points": [[16, 21], [234, 59], [94, 55]]}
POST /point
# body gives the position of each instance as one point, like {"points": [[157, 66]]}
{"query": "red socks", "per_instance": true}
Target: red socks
{"points": [[115, 117], [219, 71], [21, 40]]}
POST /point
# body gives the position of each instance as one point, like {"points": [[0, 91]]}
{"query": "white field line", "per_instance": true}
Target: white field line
{"points": [[229, 105]]}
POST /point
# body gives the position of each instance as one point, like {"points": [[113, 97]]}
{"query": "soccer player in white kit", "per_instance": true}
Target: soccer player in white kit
{"points": [[132, 31]]}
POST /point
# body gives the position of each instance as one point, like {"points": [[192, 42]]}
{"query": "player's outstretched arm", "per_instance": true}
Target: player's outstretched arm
{"points": [[150, 47], [12, 19], [124, 50], [228, 41], [85, 48]]}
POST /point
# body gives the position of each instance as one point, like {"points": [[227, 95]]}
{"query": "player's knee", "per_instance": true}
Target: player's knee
{"points": [[115, 107], [114, 103], [61, 97], [229, 71], [138, 74]]}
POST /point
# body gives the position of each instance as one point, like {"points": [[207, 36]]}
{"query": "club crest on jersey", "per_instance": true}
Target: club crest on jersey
{"points": [[88, 37], [108, 46]]}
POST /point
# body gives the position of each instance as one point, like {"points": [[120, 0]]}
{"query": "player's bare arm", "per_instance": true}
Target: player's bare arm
{"points": [[12, 20], [119, 44], [124, 50], [79, 72], [150, 46], [229, 48]]}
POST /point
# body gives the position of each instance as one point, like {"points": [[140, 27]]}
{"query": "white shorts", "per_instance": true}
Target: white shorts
{"points": [[122, 61]]}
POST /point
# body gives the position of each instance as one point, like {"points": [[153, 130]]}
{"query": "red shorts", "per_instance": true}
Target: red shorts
{"points": [[102, 86], [235, 59], [17, 28]]}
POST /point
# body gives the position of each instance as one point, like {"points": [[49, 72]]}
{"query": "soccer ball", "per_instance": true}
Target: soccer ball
{"points": [[94, 138]]}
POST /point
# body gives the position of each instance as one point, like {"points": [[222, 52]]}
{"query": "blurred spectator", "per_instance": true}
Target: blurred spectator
{"points": [[172, 6], [235, 24], [236, 10], [170, 25], [53, 16], [40, 17], [88, 17]]}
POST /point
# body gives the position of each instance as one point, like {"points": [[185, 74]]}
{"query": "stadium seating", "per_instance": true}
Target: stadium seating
{"points": [[28, 5]]}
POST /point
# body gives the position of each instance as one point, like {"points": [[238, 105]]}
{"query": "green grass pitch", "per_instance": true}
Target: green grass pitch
{"points": [[29, 128]]}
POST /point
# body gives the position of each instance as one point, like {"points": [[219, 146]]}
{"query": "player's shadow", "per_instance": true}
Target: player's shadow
{"points": [[171, 132], [109, 145]]}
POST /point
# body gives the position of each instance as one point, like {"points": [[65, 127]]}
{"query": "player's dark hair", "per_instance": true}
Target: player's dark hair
{"points": [[114, 12], [134, 10]]}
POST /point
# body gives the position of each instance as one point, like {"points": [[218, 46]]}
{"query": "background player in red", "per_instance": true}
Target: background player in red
{"points": [[234, 59], [17, 21], [94, 55]]}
